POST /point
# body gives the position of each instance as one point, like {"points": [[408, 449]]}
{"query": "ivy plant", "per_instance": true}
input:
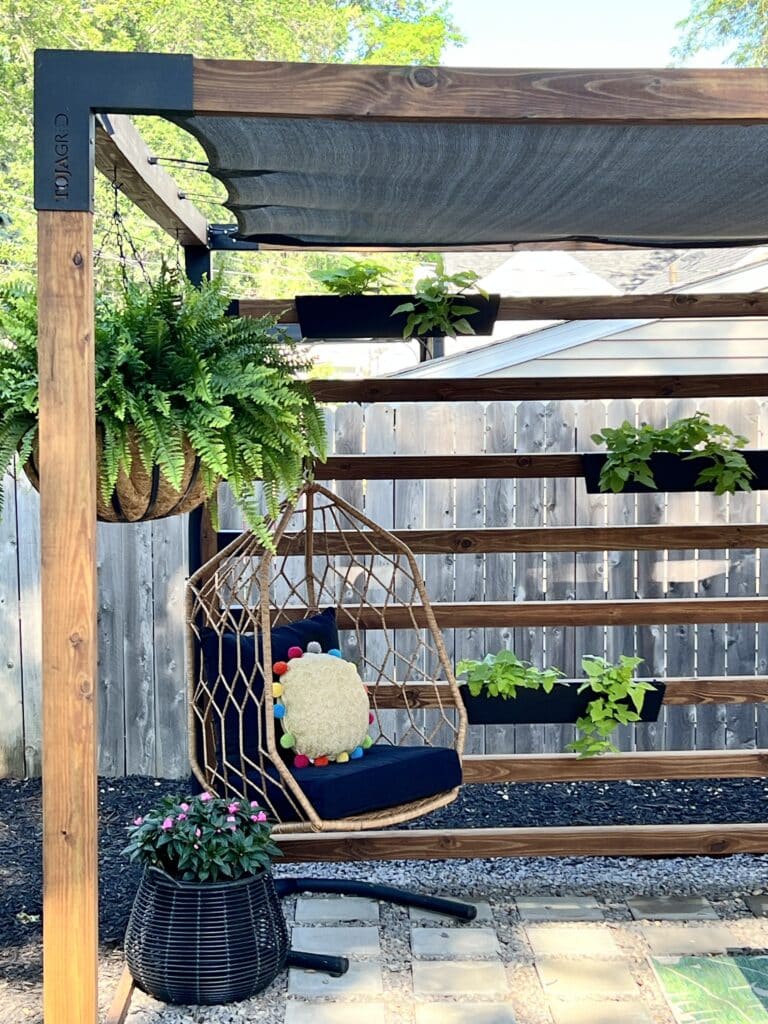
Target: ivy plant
{"points": [[502, 674], [170, 365], [437, 308], [618, 700], [352, 278], [630, 449]]}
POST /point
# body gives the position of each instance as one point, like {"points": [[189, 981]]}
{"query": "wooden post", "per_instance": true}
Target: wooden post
{"points": [[68, 540]]}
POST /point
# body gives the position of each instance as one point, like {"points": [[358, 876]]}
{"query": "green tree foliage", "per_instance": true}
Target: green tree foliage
{"points": [[742, 24], [357, 31]]}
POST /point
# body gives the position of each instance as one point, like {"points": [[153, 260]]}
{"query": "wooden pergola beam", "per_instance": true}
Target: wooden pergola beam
{"points": [[123, 156], [519, 389], [578, 307], [502, 96]]}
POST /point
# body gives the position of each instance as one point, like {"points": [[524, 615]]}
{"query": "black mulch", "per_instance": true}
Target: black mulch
{"points": [[120, 800]]}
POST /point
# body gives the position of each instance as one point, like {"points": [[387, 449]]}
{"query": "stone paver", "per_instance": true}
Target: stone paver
{"points": [[559, 908], [758, 905], [467, 1013], [678, 939], [572, 940], [362, 979], [336, 940], [585, 979], [628, 1011], [484, 914], [672, 908], [335, 909], [335, 1013], [458, 978], [454, 942]]}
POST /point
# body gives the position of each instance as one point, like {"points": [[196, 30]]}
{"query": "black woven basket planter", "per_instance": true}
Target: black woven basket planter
{"points": [[370, 316], [673, 472], [535, 707], [205, 942]]}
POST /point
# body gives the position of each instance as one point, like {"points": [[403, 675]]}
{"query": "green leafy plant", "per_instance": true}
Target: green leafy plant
{"points": [[171, 367], [618, 700], [351, 278], [203, 838], [502, 674], [438, 309], [630, 448]]}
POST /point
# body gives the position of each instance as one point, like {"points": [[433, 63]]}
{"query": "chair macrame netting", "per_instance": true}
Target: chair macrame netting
{"points": [[329, 555]]}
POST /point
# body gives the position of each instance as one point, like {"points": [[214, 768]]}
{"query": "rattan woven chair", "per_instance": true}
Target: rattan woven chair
{"points": [[246, 602]]}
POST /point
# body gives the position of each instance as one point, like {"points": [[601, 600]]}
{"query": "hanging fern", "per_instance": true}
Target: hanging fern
{"points": [[173, 368]]}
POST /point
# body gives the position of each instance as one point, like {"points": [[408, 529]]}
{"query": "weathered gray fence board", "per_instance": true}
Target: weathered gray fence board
{"points": [[761, 653], [113, 588], [28, 520], [11, 691], [138, 647]]}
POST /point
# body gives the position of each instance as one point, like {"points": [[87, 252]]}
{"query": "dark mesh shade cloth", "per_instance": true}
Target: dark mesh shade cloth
{"points": [[318, 181]]}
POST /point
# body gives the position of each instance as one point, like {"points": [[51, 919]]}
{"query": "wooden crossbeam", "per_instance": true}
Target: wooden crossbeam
{"points": [[595, 841], [680, 691], [638, 612], [669, 764], [441, 467], [122, 156], [578, 307], [519, 389], [508, 96], [531, 538]]}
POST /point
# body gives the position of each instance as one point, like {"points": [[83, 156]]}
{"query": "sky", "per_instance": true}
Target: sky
{"points": [[570, 33]]}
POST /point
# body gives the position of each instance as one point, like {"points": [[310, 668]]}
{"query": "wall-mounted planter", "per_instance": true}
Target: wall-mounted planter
{"points": [[673, 472], [370, 316], [535, 707]]}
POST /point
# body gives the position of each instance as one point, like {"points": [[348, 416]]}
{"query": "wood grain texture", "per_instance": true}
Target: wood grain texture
{"points": [[508, 96], [578, 307], [121, 1001], [693, 690], [415, 467], [501, 614], [547, 538], [596, 841], [122, 156], [68, 537], [668, 764], [499, 389]]}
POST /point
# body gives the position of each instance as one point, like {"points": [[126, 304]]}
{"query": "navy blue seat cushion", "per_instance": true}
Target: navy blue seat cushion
{"points": [[385, 776]]}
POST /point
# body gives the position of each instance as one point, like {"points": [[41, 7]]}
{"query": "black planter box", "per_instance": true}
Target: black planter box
{"points": [[534, 707], [370, 316], [673, 473]]}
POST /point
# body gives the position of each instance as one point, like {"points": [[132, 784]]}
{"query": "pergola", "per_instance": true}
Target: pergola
{"points": [[363, 158]]}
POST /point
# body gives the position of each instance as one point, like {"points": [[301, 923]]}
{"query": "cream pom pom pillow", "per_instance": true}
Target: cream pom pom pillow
{"points": [[323, 706]]}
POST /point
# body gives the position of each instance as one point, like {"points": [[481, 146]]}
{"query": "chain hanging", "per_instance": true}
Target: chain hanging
{"points": [[116, 231]]}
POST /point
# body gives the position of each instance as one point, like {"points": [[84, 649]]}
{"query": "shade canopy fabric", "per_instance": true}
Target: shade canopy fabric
{"points": [[335, 182]]}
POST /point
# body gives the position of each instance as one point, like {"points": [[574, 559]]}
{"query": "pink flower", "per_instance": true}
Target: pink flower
{"points": [[168, 823], [254, 817], [261, 816], [181, 817], [206, 796], [198, 833], [138, 821], [184, 807], [233, 808], [254, 805], [197, 846], [231, 817]]}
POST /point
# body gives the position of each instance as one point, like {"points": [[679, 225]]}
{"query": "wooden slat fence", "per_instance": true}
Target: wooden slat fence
{"points": [[143, 569]]}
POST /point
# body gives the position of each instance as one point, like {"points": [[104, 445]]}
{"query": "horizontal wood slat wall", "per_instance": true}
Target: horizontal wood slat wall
{"points": [[600, 840], [669, 764], [578, 307], [550, 538], [638, 612], [720, 690], [511, 389]]}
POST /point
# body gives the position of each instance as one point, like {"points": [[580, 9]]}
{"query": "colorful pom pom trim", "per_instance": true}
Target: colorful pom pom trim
{"points": [[294, 652]]}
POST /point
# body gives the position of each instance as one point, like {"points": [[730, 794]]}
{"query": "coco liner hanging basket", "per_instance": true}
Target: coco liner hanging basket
{"points": [[140, 496], [205, 942]]}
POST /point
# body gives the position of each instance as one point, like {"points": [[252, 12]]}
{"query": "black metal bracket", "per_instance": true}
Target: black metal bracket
{"points": [[73, 85], [223, 237]]}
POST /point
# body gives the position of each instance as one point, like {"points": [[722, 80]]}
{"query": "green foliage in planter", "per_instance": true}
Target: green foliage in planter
{"points": [[502, 674], [438, 309], [618, 701], [352, 278], [203, 838], [630, 448], [171, 364]]}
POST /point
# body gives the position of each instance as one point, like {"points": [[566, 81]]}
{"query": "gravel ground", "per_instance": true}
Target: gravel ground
{"points": [[610, 879]]}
